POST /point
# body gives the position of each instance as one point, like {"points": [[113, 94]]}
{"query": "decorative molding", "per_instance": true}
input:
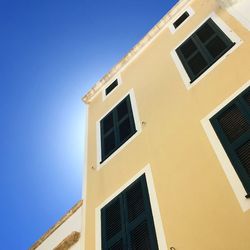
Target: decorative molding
{"points": [[162, 24], [69, 241], [57, 225], [227, 3]]}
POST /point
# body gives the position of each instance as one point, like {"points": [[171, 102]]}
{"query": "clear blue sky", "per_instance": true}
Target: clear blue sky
{"points": [[51, 53]]}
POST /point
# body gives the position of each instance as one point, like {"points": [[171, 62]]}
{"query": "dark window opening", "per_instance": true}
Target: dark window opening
{"points": [[232, 126], [203, 48], [233, 123], [197, 63], [205, 32], [116, 127], [108, 123], [111, 87], [127, 220], [188, 49], [140, 237], [243, 153], [124, 130], [181, 19], [247, 98]]}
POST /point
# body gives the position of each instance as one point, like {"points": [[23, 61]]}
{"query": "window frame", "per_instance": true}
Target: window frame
{"points": [[225, 162], [137, 124], [189, 10], [128, 225], [230, 147], [115, 129], [226, 30], [202, 49], [159, 230]]}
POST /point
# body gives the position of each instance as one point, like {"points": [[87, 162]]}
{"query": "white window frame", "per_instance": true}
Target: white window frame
{"points": [[221, 154], [189, 10], [159, 230], [119, 80], [228, 32], [137, 127]]}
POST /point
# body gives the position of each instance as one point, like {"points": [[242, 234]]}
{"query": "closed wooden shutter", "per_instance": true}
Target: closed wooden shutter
{"points": [[127, 221], [116, 127], [243, 153], [203, 48], [140, 238], [117, 246], [247, 98], [138, 214], [108, 134], [113, 229], [232, 126], [233, 123]]}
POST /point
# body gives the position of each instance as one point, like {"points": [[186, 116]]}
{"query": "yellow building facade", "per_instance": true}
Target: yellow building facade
{"points": [[168, 136], [167, 161]]}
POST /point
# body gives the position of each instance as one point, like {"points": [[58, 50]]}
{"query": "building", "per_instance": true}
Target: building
{"points": [[65, 233], [168, 136]]}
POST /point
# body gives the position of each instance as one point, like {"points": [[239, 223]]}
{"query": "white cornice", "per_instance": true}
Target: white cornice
{"points": [[57, 225], [228, 3], [135, 50]]}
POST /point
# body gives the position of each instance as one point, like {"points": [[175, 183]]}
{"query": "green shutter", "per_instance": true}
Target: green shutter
{"points": [[113, 230], [116, 127], [138, 216], [127, 221], [203, 48], [232, 126]]}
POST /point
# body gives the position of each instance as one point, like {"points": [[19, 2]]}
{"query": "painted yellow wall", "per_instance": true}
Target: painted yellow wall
{"points": [[198, 208]]}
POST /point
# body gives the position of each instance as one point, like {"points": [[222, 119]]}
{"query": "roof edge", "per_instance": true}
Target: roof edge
{"points": [[57, 225], [87, 98]]}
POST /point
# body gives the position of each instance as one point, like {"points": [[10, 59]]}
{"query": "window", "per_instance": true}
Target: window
{"points": [[232, 126], [203, 48], [127, 221], [116, 127], [111, 87], [181, 19]]}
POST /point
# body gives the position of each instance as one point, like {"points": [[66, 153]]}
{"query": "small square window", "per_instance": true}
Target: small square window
{"points": [[232, 126], [203, 48], [116, 127], [181, 19], [111, 87]]}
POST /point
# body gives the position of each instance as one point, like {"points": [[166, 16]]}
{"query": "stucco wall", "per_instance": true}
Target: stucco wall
{"points": [[240, 11], [198, 208]]}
